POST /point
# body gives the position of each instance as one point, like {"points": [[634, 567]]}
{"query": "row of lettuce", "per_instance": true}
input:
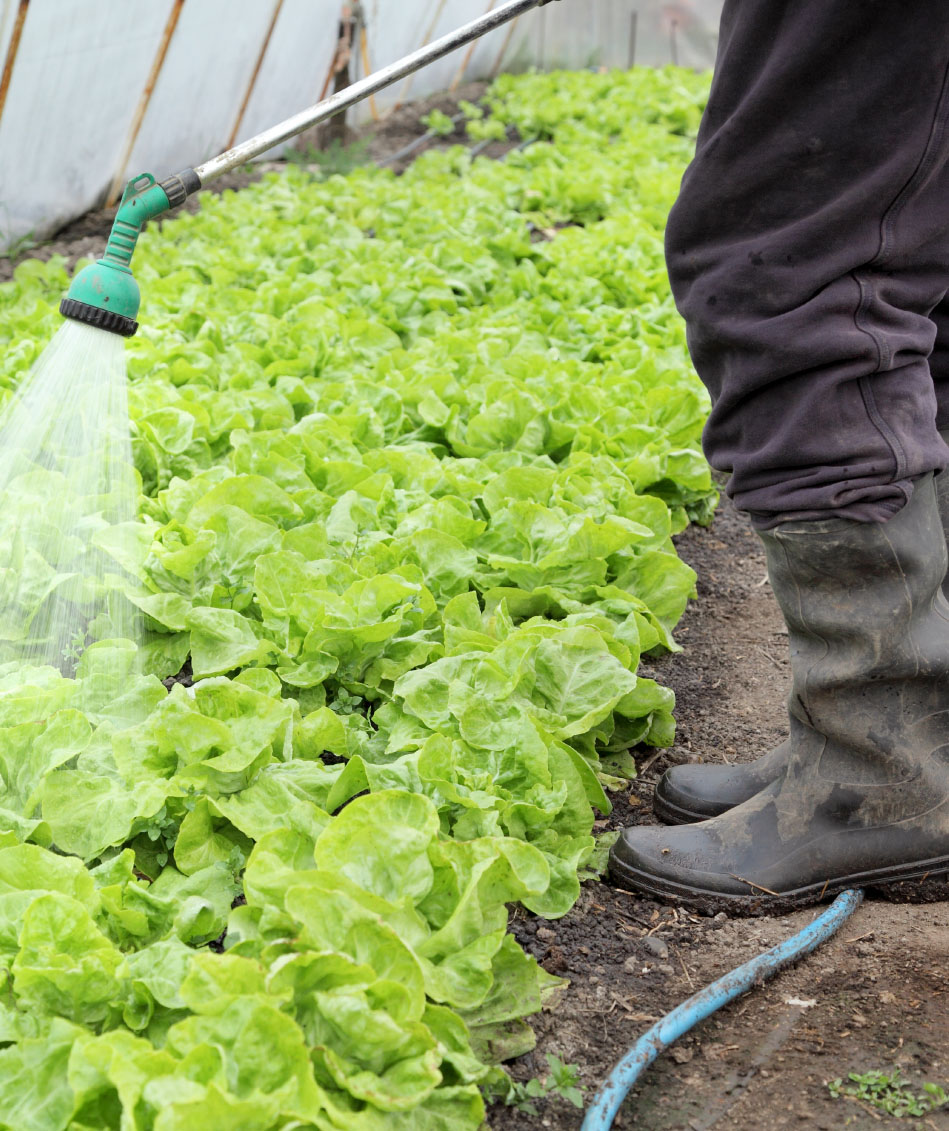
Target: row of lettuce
{"points": [[412, 452]]}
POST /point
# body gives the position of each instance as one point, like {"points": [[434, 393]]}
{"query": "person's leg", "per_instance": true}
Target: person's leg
{"points": [[939, 370], [809, 246], [939, 364], [807, 251], [698, 791]]}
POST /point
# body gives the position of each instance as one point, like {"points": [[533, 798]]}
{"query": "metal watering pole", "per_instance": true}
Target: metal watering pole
{"points": [[106, 295]]}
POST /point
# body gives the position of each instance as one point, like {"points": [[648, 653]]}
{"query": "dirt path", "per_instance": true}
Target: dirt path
{"points": [[877, 995]]}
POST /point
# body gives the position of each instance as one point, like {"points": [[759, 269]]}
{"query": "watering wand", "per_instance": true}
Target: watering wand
{"points": [[105, 293]]}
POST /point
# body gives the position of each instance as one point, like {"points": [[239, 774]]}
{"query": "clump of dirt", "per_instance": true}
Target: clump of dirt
{"points": [[874, 997], [185, 677]]}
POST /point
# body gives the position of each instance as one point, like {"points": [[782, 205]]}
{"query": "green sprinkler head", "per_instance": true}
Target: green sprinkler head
{"points": [[105, 294]]}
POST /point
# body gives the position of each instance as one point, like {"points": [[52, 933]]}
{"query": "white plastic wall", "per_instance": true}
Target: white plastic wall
{"points": [[77, 80]]}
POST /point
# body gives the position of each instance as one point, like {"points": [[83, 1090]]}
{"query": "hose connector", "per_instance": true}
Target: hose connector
{"points": [[105, 294], [180, 186]]}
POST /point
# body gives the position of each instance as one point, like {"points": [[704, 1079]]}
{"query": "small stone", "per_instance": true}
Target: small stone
{"points": [[555, 961], [681, 1055], [656, 946], [666, 969], [721, 917], [713, 1050], [631, 965], [545, 934]]}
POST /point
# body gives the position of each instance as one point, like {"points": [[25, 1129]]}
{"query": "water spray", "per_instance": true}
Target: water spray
{"points": [[68, 485], [105, 294]]}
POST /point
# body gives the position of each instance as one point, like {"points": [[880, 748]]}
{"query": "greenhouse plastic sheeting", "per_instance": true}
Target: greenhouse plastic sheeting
{"points": [[88, 98]]}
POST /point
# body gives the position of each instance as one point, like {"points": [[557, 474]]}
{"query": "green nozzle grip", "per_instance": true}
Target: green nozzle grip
{"points": [[105, 294], [142, 200]]}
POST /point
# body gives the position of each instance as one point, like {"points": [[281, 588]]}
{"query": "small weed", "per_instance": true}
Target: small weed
{"points": [[155, 844], [19, 247], [890, 1093], [75, 648], [563, 1081], [335, 159], [346, 703]]}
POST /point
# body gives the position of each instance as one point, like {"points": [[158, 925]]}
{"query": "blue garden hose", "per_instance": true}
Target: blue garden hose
{"points": [[601, 1114]]}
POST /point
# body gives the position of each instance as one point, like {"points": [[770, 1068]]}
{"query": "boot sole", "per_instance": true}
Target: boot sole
{"points": [[925, 882]]}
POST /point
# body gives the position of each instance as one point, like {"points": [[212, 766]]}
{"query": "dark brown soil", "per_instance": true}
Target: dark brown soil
{"points": [[873, 997]]}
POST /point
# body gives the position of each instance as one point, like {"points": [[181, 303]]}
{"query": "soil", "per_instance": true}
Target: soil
{"points": [[876, 996]]}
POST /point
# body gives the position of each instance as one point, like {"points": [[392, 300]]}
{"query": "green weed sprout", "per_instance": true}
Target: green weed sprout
{"points": [[890, 1093]]}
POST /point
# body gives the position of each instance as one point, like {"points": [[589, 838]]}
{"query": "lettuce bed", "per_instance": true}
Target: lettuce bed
{"points": [[412, 451]]}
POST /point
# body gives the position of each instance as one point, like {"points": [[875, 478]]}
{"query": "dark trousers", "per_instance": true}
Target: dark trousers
{"points": [[809, 254]]}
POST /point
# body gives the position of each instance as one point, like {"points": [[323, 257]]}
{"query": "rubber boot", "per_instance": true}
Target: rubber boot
{"points": [[864, 801], [696, 792]]}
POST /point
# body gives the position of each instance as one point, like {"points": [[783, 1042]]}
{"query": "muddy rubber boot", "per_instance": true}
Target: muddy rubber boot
{"points": [[864, 801], [697, 792]]}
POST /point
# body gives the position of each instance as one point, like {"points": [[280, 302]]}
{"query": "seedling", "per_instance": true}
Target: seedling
{"points": [[336, 159], [563, 1081], [890, 1093], [19, 247]]}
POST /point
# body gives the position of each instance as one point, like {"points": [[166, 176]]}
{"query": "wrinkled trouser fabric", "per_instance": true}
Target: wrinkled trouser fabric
{"points": [[809, 255]]}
